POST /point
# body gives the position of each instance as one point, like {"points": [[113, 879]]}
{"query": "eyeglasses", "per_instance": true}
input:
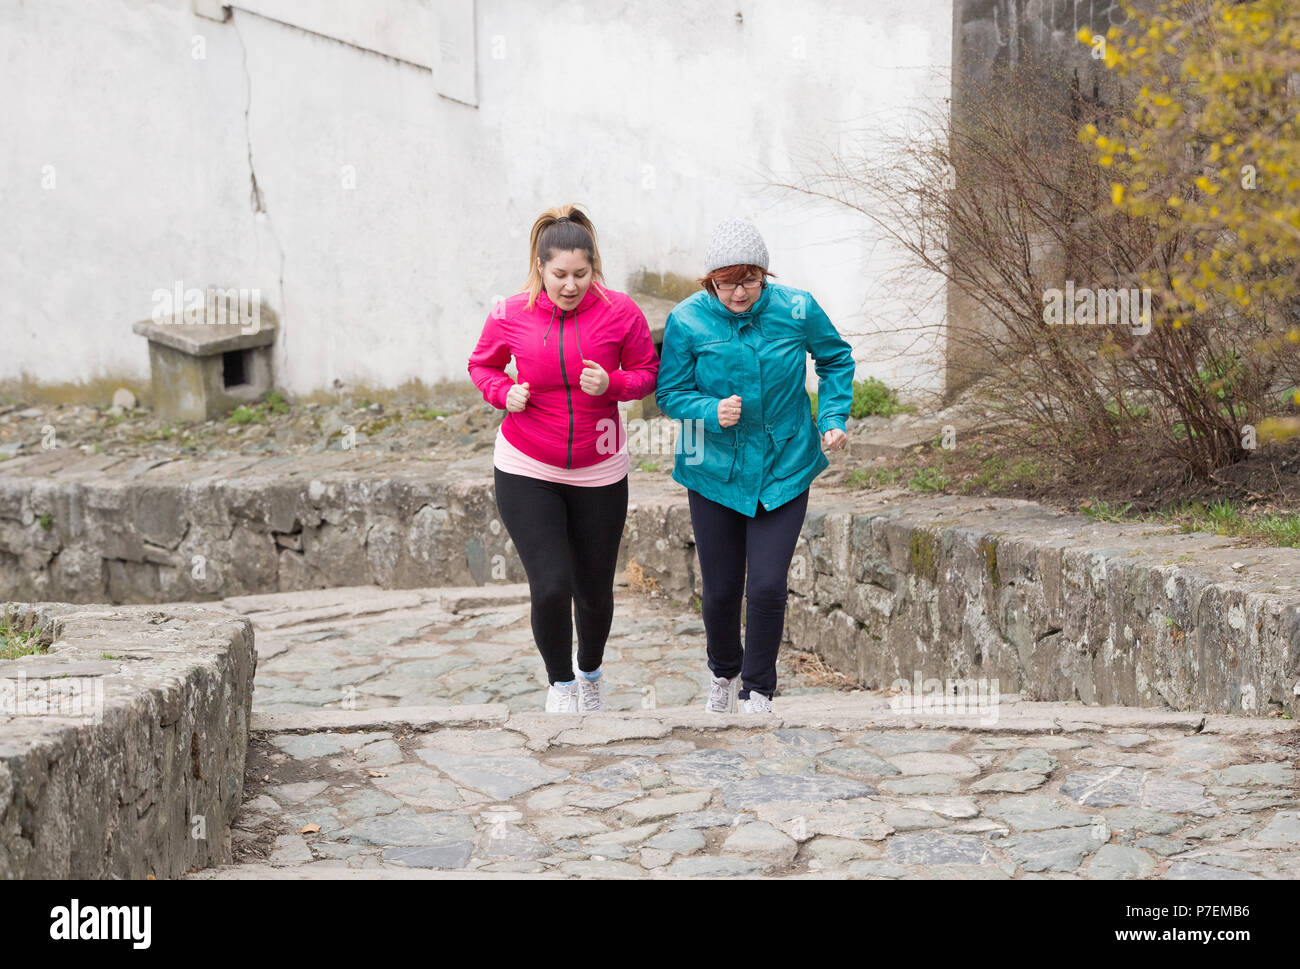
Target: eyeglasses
{"points": [[749, 284]]}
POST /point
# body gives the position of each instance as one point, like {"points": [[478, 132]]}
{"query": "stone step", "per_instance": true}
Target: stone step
{"points": [[854, 711], [341, 872], [833, 786]]}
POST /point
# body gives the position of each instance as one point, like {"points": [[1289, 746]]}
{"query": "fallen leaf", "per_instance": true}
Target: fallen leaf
{"points": [[311, 829]]}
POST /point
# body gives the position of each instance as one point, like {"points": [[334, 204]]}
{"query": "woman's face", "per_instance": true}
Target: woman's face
{"points": [[566, 277], [740, 298]]}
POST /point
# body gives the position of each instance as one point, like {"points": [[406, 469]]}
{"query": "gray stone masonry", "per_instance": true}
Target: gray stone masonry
{"points": [[885, 586], [122, 747]]}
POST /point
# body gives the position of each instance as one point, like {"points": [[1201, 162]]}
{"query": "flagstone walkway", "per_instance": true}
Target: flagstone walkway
{"points": [[398, 735]]}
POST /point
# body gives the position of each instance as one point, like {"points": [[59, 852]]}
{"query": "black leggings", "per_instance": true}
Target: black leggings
{"points": [[567, 537], [724, 539]]}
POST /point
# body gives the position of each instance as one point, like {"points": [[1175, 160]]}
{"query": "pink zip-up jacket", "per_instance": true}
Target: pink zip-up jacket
{"points": [[563, 425]]}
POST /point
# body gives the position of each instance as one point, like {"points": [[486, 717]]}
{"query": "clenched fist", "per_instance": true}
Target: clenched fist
{"points": [[517, 398], [594, 379], [729, 411]]}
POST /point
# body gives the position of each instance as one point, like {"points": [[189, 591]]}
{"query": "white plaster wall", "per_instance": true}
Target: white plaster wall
{"points": [[663, 117]]}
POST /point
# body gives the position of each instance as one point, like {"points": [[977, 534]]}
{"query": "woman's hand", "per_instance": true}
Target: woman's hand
{"points": [[729, 411], [594, 379], [835, 439], [517, 398]]}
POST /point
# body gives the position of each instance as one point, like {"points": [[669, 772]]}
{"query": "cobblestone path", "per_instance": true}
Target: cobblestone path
{"points": [[399, 735]]}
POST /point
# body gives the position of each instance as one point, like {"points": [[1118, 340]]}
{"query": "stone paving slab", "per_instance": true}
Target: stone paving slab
{"points": [[645, 797], [417, 718]]}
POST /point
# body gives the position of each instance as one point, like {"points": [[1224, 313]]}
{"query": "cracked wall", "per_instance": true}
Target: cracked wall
{"points": [[380, 218]]}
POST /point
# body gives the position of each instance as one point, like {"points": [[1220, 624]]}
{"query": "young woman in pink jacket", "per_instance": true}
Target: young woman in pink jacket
{"points": [[561, 461]]}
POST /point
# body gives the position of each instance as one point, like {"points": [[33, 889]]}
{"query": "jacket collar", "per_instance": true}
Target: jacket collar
{"points": [[587, 302]]}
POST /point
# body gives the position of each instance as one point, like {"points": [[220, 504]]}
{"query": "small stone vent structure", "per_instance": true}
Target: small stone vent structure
{"points": [[201, 370]]}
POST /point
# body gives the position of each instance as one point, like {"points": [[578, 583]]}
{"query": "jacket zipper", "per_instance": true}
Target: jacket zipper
{"points": [[568, 395]]}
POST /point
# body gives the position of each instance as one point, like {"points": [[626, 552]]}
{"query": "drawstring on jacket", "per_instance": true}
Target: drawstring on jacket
{"points": [[575, 329]]}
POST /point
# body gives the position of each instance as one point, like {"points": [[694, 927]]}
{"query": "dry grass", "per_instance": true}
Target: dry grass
{"points": [[813, 671], [637, 580]]}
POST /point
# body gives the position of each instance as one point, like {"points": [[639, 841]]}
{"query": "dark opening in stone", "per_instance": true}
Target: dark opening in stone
{"points": [[233, 372]]}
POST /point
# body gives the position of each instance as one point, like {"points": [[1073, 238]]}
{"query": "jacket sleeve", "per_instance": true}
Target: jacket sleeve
{"points": [[677, 395], [638, 363], [488, 361], [835, 368]]}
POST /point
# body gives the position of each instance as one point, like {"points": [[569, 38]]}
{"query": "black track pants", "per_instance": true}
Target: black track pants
{"points": [[567, 537], [725, 539]]}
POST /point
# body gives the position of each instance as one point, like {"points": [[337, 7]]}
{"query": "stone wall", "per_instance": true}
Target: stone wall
{"points": [[147, 775], [110, 540], [1054, 606]]}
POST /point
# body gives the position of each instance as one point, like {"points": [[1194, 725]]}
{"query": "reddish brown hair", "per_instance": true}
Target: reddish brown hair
{"points": [[730, 274]]}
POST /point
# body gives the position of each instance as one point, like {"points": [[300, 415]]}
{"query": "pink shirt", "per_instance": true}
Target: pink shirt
{"points": [[511, 460]]}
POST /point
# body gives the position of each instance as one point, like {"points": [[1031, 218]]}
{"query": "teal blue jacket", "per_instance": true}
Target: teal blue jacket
{"points": [[710, 353]]}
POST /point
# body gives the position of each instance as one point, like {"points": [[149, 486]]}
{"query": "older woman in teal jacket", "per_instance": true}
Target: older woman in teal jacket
{"points": [[732, 370]]}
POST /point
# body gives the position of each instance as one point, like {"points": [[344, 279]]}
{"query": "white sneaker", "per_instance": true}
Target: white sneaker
{"points": [[757, 703], [722, 695], [590, 696], [562, 698]]}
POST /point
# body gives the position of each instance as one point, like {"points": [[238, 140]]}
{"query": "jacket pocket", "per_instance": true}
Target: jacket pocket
{"points": [[790, 449], [717, 457], [714, 367]]}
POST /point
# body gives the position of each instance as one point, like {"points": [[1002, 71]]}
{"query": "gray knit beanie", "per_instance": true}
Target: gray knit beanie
{"points": [[735, 242]]}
